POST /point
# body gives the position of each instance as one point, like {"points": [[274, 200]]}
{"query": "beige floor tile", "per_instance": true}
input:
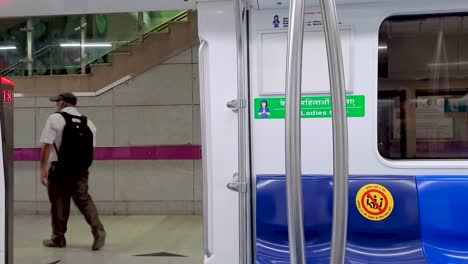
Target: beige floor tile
{"points": [[126, 236]]}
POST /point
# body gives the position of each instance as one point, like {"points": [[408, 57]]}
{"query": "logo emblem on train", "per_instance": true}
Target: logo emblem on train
{"points": [[374, 202]]}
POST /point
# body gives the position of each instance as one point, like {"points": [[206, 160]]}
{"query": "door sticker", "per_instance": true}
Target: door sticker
{"points": [[311, 107]]}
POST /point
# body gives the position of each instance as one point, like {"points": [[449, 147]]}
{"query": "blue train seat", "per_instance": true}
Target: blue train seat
{"points": [[272, 244], [443, 203], [395, 239]]}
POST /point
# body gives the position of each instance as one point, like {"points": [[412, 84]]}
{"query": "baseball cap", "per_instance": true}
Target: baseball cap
{"points": [[66, 97]]}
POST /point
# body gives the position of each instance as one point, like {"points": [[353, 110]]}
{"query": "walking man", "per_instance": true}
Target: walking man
{"points": [[69, 140]]}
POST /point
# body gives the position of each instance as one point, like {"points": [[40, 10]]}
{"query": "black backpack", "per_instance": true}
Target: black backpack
{"points": [[77, 149]]}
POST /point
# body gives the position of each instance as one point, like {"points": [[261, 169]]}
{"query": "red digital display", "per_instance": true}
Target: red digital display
{"points": [[7, 96]]}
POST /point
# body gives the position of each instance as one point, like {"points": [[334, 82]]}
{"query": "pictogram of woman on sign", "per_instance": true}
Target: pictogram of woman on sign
{"points": [[264, 112], [276, 21]]}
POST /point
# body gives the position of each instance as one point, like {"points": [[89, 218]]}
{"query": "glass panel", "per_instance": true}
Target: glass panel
{"points": [[48, 36], [56, 40], [423, 87], [153, 20], [110, 32], [107, 33], [13, 44]]}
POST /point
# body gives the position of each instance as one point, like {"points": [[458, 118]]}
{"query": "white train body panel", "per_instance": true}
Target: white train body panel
{"points": [[317, 149], [216, 27]]}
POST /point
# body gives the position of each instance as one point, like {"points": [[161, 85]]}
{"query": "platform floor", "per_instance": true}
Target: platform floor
{"points": [[127, 236]]}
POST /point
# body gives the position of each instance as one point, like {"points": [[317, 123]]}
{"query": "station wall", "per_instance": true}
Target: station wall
{"points": [[157, 108]]}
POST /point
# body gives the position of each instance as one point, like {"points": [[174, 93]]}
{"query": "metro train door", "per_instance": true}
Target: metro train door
{"points": [[239, 147], [7, 133], [279, 110]]}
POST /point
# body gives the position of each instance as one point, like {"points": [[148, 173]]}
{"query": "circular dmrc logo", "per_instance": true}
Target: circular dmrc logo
{"points": [[374, 202]]}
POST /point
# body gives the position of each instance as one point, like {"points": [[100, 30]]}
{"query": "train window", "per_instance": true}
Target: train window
{"points": [[423, 87]]}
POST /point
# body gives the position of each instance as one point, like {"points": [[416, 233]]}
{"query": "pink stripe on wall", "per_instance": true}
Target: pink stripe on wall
{"points": [[27, 154], [126, 153]]}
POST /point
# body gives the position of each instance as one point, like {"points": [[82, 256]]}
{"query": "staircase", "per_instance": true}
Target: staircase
{"points": [[129, 60]]}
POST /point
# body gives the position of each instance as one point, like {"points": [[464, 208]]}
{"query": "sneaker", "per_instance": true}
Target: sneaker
{"points": [[99, 239], [54, 244]]}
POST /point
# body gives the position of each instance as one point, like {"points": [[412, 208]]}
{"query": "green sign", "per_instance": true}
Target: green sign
{"points": [[458, 105], [311, 107]]}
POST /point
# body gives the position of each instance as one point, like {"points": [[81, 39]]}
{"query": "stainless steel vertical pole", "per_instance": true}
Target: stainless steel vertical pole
{"points": [[140, 26], [83, 47], [240, 13], [293, 131], [29, 31], [340, 132]]}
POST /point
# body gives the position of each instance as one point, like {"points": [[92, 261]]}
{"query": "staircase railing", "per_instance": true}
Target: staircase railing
{"points": [[68, 58]]}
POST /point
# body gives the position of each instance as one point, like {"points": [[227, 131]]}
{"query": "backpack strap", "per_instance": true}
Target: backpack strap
{"points": [[65, 116], [56, 150], [68, 117]]}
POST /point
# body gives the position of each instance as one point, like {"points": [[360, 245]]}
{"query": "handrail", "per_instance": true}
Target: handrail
{"points": [[36, 54], [293, 131], [16, 66], [163, 26], [176, 18], [293, 140], [12, 68], [43, 50], [206, 222], [243, 179], [340, 132]]}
